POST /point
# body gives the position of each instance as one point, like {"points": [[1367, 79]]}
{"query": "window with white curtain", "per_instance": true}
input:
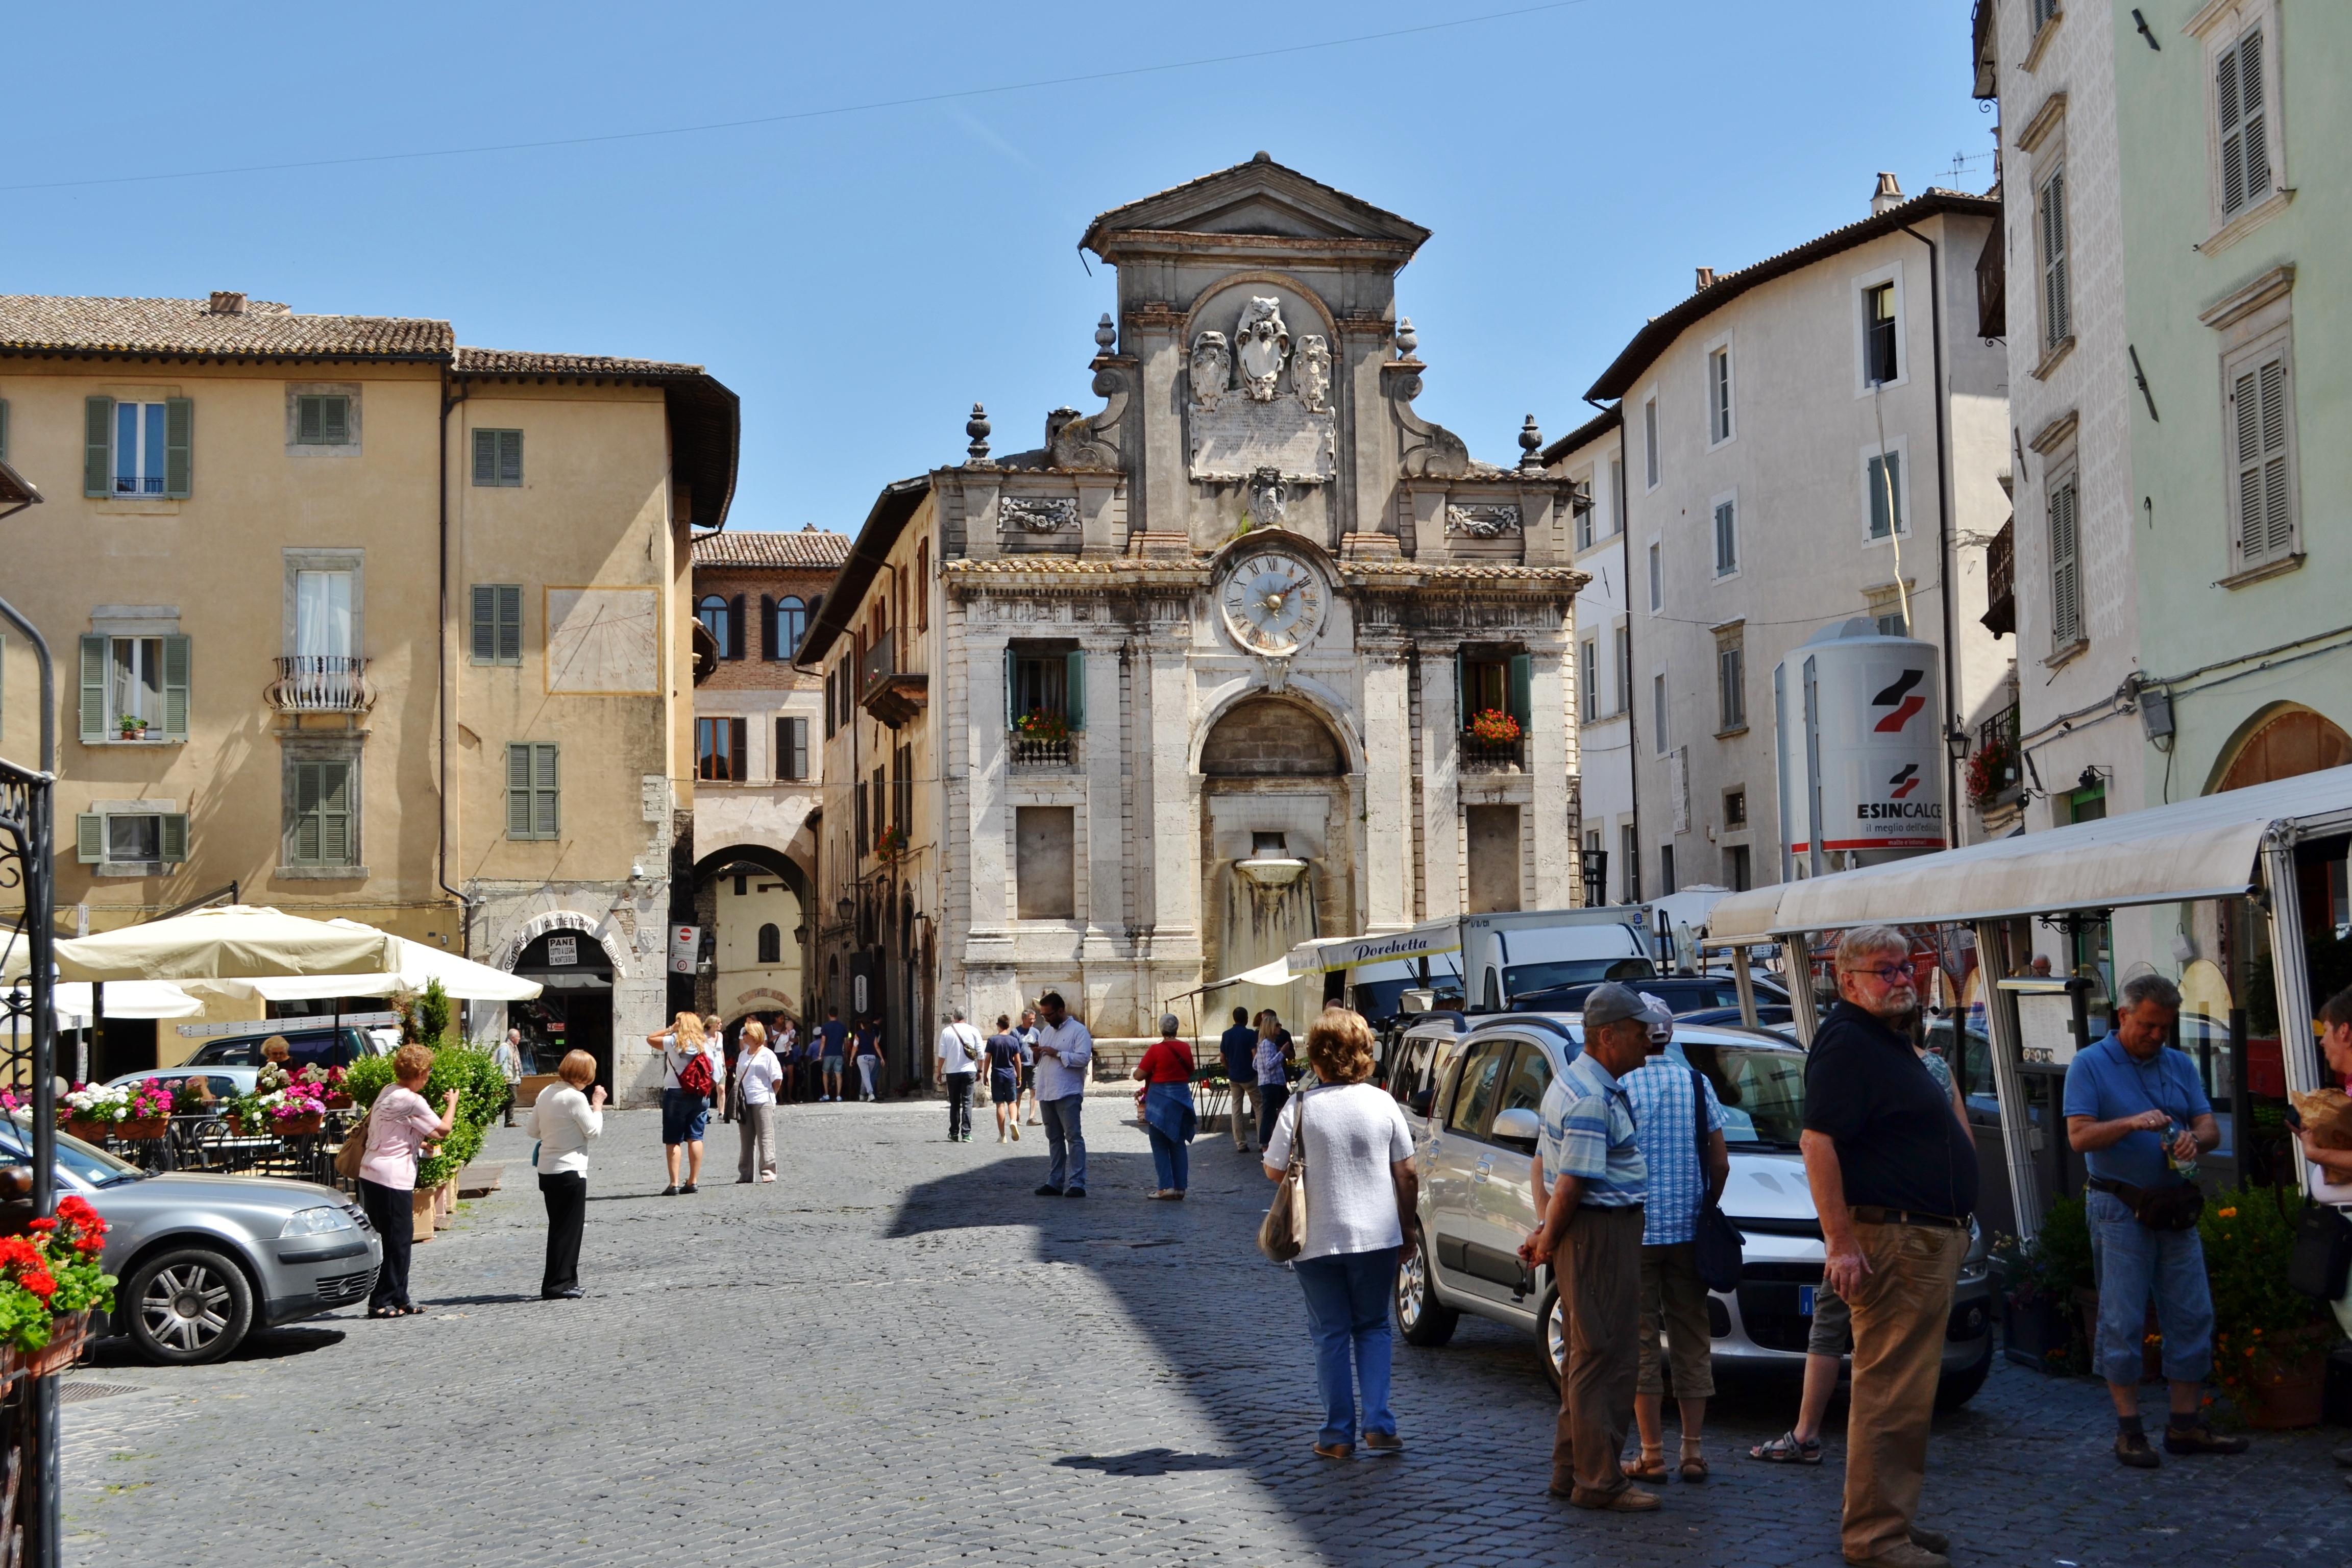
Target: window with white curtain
{"points": [[322, 615]]}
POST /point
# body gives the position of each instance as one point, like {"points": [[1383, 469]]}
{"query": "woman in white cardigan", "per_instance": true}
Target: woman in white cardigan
{"points": [[563, 1119]]}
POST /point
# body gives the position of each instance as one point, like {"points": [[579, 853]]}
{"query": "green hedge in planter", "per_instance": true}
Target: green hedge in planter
{"points": [[481, 1094]]}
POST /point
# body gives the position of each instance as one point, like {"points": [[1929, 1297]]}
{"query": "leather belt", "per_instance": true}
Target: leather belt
{"points": [[1871, 1214]]}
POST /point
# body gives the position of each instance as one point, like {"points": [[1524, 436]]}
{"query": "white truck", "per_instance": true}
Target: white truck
{"points": [[1481, 962]]}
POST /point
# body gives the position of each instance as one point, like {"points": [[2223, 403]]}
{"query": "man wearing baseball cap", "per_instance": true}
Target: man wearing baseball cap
{"points": [[1591, 1237]]}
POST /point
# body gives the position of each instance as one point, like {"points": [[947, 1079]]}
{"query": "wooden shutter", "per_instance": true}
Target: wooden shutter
{"points": [[2245, 133], [175, 688], [735, 627], [89, 839], [98, 447], [306, 810], [768, 628], [172, 837], [545, 818], [96, 721], [2065, 570], [485, 618], [485, 456], [307, 414], [518, 791], [1074, 689], [510, 457], [1523, 707], [800, 749], [2266, 523], [509, 623], [335, 421], [178, 445], [738, 755], [2057, 311]]}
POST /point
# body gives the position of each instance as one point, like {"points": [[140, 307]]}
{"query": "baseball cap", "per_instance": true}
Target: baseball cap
{"points": [[1659, 1017], [1609, 1003]]}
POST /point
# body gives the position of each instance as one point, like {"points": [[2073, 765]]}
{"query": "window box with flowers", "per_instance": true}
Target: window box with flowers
{"points": [[1492, 739], [1992, 773], [1042, 738], [284, 1104], [892, 845], [51, 1279]]}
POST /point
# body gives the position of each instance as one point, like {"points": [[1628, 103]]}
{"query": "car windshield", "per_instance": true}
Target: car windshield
{"points": [[1521, 978], [1761, 1089], [88, 1164]]}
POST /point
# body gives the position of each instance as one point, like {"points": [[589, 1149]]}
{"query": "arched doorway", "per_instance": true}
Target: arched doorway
{"points": [[2283, 743], [1276, 851], [752, 901], [573, 1010]]}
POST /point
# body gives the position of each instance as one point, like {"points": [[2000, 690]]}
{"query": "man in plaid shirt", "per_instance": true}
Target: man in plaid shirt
{"points": [[1666, 1122]]}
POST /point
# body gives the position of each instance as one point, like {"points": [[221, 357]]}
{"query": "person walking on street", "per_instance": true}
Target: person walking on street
{"points": [[1064, 1053], [1238, 1046], [508, 1054], [2136, 1113], [865, 1053], [1273, 1058], [1686, 1170], [399, 1124], [830, 1035], [563, 1119], [1007, 1060], [759, 1074], [714, 1036], [1028, 1034], [959, 1070], [689, 1077], [1360, 1185], [1169, 1118], [1892, 1169], [1591, 1237]]}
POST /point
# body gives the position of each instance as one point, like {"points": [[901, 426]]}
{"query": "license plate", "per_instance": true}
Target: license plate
{"points": [[1805, 1300]]}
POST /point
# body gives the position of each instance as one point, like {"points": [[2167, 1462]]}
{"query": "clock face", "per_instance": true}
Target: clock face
{"points": [[1272, 603]]}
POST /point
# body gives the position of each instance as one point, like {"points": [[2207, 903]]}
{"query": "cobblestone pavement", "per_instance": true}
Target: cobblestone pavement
{"points": [[899, 1354]]}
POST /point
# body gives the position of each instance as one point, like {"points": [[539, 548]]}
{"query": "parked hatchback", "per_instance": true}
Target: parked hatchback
{"points": [[206, 1259], [1473, 1088]]}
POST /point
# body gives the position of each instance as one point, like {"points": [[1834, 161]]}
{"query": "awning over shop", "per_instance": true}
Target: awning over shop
{"points": [[229, 942], [1423, 940], [123, 999], [418, 965], [2202, 848]]}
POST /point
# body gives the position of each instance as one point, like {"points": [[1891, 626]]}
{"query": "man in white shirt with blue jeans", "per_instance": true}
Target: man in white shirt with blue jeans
{"points": [[1065, 1051]]}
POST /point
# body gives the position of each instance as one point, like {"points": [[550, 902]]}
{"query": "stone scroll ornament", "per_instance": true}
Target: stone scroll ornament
{"points": [[1482, 521], [1041, 514]]}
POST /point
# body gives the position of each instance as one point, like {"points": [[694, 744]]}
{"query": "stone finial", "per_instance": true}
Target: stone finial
{"points": [[1105, 335], [1407, 339], [1530, 444], [977, 428], [1261, 157]]}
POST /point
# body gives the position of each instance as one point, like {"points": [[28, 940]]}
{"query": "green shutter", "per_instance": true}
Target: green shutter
{"points": [[306, 814], [517, 791], [510, 457], [485, 456], [172, 839], [484, 619], [509, 623], [89, 839], [175, 688], [309, 416], [98, 447], [96, 721], [334, 812], [544, 818], [335, 421], [1523, 668], [178, 445], [1074, 694]]}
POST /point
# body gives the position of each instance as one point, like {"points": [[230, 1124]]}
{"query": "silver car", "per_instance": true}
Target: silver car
{"points": [[1473, 1088], [206, 1259]]}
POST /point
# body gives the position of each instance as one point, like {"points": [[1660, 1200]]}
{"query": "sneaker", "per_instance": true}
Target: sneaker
{"points": [[1000, 1135], [769, 1176], [1016, 1132], [2200, 1439], [2131, 1448], [742, 1181]]}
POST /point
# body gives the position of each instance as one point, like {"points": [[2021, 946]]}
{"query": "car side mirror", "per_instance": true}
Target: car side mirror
{"points": [[1517, 1127]]}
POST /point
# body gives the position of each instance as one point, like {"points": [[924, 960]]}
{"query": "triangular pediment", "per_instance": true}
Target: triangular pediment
{"points": [[1260, 197]]}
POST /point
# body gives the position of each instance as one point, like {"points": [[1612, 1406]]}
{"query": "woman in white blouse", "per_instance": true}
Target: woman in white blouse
{"points": [[563, 1119]]}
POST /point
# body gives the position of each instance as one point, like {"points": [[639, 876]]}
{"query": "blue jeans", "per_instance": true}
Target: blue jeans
{"points": [[1348, 1317], [1067, 1142], [2132, 1262], [1170, 1159]]}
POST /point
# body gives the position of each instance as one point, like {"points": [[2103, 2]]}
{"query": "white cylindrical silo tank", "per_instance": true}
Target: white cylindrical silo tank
{"points": [[1858, 723]]}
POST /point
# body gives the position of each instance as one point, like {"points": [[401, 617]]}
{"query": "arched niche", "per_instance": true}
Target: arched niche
{"points": [[1271, 737], [2282, 741]]}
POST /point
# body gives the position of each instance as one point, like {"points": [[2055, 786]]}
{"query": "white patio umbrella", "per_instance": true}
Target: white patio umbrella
{"points": [[124, 999], [415, 964], [234, 941]]}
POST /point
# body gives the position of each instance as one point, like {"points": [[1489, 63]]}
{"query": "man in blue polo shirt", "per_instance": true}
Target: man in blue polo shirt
{"points": [[1239, 1046], [2136, 1112], [1591, 1237]]}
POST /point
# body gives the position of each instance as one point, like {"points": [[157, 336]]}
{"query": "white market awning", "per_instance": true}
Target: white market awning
{"points": [[1321, 957], [1275, 974], [225, 941], [2200, 848], [123, 999], [418, 964]]}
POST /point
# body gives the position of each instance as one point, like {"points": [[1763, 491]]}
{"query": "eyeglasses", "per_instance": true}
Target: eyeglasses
{"points": [[1888, 973]]}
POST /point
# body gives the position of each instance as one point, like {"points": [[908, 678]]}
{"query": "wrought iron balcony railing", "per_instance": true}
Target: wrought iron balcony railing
{"points": [[321, 683]]}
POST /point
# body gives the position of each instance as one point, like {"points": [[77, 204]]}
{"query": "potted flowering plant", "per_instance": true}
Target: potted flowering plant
{"points": [[892, 844], [51, 1279], [1991, 770], [147, 1113], [1494, 727], [133, 726], [338, 1093], [89, 1112], [1043, 724], [2270, 1343]]}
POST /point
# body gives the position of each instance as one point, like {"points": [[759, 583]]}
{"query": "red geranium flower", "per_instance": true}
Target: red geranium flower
{"points": [[41, 1225]]}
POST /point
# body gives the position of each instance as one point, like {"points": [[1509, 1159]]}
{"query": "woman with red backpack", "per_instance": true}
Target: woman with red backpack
{"points": [[689, 1077]]}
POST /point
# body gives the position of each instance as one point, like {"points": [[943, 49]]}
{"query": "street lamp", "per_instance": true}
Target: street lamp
{"points": [[845, 908], [1956, 741]]}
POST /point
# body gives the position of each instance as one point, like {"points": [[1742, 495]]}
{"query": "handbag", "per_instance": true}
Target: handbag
{"points": [[354, 1149], [1282, 1234], [1718, 1241], [2321, 1263]]}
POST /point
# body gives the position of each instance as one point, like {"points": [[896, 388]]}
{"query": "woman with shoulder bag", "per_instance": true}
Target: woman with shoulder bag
{"points": [[399, 1124], [564, 1119], [1360, 1190], [1166, 1100]]}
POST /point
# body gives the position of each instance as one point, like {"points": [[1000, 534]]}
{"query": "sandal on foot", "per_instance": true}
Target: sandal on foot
{"points": [[1788, 1449], [1646, 1469], [1692, 1467]]}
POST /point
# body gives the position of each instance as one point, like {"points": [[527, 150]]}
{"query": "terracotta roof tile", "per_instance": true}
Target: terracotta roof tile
{"points": [[517, 362], [39, 322], [808, 547]]}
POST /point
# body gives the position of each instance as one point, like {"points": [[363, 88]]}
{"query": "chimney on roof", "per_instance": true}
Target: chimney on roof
{"points": [[1888, 194], [227, 303], [1705, 278]]}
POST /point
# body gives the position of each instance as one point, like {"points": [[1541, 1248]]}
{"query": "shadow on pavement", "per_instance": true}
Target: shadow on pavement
{"points": [[261, 1344], [1148, 1462]]}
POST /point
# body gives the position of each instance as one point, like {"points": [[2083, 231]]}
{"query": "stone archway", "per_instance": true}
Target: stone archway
{"points": [[2283, 741], [742, 982], [579, 966]]}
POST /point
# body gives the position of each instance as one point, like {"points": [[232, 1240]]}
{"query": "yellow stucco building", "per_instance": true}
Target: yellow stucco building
{"points": [[370, 625]]}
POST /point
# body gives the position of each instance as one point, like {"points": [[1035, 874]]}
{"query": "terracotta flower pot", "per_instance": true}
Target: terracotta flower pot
{"points": [[86, 1131], [67, 1334], [142, 1127], [339, 1102], [296, 1126]]}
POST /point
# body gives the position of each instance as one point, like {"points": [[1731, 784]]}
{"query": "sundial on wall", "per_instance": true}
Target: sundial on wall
{"points": [[1272, 603]]}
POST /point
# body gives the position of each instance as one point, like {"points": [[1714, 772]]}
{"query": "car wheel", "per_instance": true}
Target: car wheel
{"points": [[1420, 1317], [1955, 1389], [1555, 1339], [187, 1305]]}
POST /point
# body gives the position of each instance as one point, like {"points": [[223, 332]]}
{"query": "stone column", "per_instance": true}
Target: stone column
{"points": [[988, 877], [1441, 798], [1104, 840], [1388, 791], [1548, 760]]}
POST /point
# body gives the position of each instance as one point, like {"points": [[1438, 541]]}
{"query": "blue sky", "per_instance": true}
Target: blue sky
{"points": [[861, 278]]}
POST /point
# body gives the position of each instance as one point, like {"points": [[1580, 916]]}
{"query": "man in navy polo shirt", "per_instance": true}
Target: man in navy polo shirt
{"points": [[1239, 1046], [2135, 1111]]}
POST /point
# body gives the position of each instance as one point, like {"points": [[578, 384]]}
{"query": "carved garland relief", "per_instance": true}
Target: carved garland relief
{"points": [[1481, 519], [1041, 514]]}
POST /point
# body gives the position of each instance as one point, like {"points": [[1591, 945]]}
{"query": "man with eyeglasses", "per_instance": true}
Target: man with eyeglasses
{"points": [[1893, 1169]]}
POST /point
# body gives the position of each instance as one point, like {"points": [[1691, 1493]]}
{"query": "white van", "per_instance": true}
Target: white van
{"points": [[1507, 955]]}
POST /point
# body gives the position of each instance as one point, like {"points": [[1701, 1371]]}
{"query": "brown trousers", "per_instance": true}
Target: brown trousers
{"points": [[1598, 1267], [1900, 1310]]}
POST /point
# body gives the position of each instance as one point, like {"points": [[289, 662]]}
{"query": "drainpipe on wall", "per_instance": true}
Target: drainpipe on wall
{"points": [[449, 694], [1942, 545]]}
